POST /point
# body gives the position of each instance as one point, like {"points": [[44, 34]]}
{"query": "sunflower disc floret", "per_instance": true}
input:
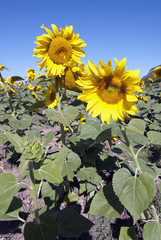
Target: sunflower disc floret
{"points": [[109, 92]]}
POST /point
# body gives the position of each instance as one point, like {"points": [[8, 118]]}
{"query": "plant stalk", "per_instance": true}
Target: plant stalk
{"points": [[123, 130], [59, 110], [32, 179], [154, 212]]}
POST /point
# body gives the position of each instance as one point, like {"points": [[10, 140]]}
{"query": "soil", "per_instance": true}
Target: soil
{"points": [[103, 228]]}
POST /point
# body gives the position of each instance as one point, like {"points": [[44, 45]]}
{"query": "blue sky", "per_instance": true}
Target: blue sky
{"points": [[120, 28]]}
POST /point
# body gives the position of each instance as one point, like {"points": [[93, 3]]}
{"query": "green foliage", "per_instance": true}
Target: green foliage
{"points": [[106, 203], [112, 174], [47, 229], [66, 117], [127, 233], [135, 193], [71, 223], [152, 230], [8, 186], [12, 212]]}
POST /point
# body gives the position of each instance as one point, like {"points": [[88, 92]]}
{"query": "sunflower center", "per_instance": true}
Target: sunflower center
{"points": [[52, 96], [60, 50], [159, 72], [111, 90]]}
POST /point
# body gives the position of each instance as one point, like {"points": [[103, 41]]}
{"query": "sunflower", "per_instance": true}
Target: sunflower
{"points": [[20, 84], [157, 72], [58, 48], [1, 67], [151, 80], [140, 97], [109, 93], [72, 73], [50, 96], [10, 81], [31, 74]]}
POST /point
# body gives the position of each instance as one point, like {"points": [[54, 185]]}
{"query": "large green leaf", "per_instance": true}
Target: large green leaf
{"points": [[154, 137], [13, 210], [71, 163], [16, 78], [89, 174], [135, 193], [68, 160], [72, 224], [152, 230], [8, 186], [127, 233], [47, 229], [106, 203], [136, 125], [49, 171], [20, 124], [17, 141], [66, 117]]}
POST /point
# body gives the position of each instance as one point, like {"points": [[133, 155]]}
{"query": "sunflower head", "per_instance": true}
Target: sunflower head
{"points": [[72, 74], [58, 48], [9, 80], [31, 74], [157, 72], [50, 96], [20, 83], [151, 80], [1, 67], [109, 92]]}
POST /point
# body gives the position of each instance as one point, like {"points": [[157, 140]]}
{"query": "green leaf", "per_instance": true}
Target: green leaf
{"points": [[49, 171], [39, 80], [152, 230], [17, 141], [47, 191], [13, 211], [48, 138], [71, 164], [71, 197], [16, 78], [72, 224], [20, 124], [89, 174], [127, 233], [135, 193], [157, 107], [154, 137], [5, 205], [106, 203], [66, 117], [47, 229], [104, 135], [8, 186], [36, 105], [137, 126]]}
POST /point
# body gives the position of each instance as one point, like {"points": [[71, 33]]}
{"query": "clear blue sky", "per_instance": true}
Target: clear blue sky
{"points": [[118, 28]]}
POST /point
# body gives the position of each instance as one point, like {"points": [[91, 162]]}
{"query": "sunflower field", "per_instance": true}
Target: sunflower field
{"points": [[85, 141]]}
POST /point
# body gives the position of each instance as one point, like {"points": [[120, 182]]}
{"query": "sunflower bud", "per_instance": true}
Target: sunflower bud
{"points": [[33, 151]]}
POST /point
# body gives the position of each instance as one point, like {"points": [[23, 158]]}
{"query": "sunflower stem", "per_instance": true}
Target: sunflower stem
{"points": [[128, 144], [59, 109], [32, 179]]}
